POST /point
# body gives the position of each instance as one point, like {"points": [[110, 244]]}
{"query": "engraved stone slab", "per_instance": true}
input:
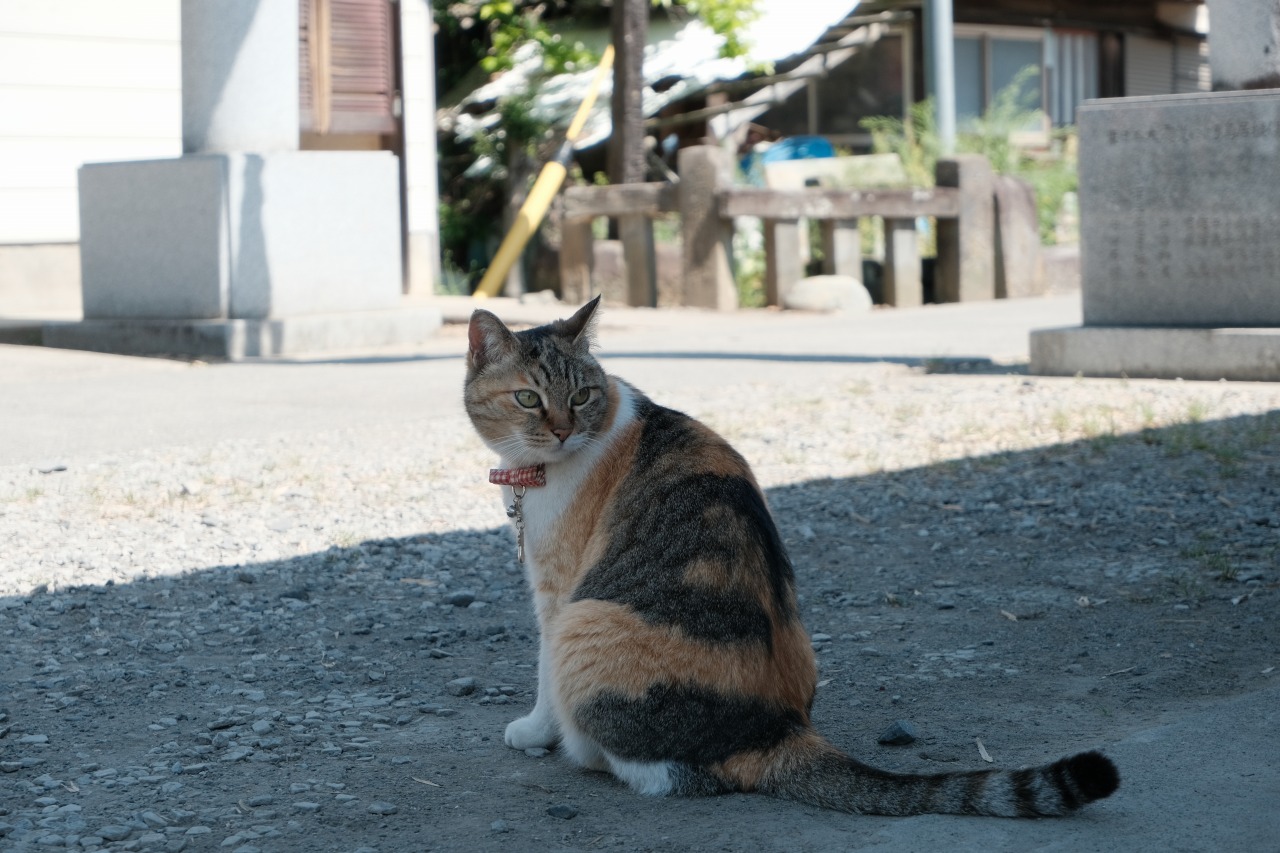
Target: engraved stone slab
{"points": [[1180, 210]]}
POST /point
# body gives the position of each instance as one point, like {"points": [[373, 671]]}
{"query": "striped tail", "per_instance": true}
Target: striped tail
{"points": [[808, 769]]}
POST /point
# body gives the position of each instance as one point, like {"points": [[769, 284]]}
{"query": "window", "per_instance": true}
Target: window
{"points": [[989, 59]]}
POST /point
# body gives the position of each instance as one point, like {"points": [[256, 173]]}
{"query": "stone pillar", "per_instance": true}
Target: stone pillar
{"points": [[966, 268], [1244, 44], [244, 246], [239, 76], [783, 259], [841, 247], [903, 287], [707, 237]]}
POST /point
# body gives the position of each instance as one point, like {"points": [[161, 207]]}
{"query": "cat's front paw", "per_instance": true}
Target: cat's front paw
{"points": [[535, 730]]}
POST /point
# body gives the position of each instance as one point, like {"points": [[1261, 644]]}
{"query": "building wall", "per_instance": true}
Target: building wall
{"points": [[80, 81]]}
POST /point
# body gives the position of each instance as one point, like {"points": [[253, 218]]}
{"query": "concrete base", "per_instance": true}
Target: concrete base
{"points": [[240, 236], [236, 340], [1251, 355], [40, 280]]}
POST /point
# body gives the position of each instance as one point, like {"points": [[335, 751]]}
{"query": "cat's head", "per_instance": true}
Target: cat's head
{"points": [[535, 396]]}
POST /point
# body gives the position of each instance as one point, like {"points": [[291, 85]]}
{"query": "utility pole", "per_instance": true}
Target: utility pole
{"points": [[940, 61]]}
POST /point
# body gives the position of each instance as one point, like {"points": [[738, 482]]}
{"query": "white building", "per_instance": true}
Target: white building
{"points": [[85, 81]]}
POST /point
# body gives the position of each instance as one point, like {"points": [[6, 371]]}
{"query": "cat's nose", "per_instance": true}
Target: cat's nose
{"points": [[562, 433]]}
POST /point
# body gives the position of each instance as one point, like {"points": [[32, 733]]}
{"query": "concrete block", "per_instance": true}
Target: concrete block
{"points": [[1251, 355], [241, 236], [1019, 267], [707, 239], [238, 339], [966, 268], [1179, 211]]}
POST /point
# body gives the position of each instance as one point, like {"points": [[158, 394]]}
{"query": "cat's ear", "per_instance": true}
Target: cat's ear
{"points": [[581, 327], [487, 339]]}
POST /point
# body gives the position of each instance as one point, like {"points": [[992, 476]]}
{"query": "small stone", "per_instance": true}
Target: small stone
{"points": [[460, 598], [151, 818], [499, 826], [199, 830], [382, 807], [828, 293], [307, 806], [261, 800], [900, 733], [115, 832], [564, 811], [33, 739], [461, 687], [262, 727]]}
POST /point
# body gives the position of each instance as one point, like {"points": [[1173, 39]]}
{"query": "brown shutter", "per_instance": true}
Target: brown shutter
{"points": [[347, 73]]}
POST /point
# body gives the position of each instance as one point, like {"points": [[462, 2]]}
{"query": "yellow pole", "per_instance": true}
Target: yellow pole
{"points": [[543, 191]]}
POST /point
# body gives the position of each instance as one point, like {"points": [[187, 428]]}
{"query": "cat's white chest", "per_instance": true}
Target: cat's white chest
{"points": [[542, 507]]}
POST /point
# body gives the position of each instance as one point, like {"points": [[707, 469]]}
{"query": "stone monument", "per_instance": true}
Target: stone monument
{"points": [[1179, 217], [244, 246]]}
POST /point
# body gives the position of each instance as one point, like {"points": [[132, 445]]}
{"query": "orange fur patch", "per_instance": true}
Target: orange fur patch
{"points": [[601, 645]]}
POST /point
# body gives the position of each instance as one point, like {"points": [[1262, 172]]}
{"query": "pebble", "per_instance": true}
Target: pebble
{"points": [[115, 832], [382, 807], [901, 733], [564, 811], [461, 687], [460, 598]]}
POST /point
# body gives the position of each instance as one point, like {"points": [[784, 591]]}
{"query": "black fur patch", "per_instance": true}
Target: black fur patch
{"points": [[686, 724], [671, 519], [1093, 773]]}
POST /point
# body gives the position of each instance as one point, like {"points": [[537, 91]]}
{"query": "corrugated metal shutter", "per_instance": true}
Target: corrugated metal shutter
{"points": [[1191, 65], [347, 71], [1148, 66], [1073, 75]]}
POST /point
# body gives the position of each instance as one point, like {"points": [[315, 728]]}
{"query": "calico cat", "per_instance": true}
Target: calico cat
{"points": [[671, 649]]}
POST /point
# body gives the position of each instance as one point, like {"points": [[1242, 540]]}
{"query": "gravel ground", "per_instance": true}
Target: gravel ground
{"points": [[311, 641]]}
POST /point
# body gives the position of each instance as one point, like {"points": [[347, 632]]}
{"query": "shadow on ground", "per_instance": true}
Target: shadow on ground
{"points": [[1041, 601]]}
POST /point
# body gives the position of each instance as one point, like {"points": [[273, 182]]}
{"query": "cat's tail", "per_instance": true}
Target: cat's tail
{"points": [[809, 769]]}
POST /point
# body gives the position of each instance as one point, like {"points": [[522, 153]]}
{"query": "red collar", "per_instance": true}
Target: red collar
{"points": [[534, 475]]}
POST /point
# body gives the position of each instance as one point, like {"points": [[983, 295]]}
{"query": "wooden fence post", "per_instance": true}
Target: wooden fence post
{"points": [[640, 260], [577, 255], [902, 285], [841, 248], [783, 264], [966, 269], [708, 239]]}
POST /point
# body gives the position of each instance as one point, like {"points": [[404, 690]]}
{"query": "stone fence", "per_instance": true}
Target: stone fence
{"points": [[707, 203]]}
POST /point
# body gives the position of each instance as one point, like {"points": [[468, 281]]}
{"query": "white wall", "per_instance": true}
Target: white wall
{"points": [[80, 81]]}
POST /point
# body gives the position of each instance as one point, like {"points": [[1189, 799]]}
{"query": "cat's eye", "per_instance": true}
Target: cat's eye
{"points": [[528, 399], [581, 397]]}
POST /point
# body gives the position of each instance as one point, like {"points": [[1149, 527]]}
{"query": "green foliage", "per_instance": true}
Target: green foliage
{"points": [[512, 24], [917, 143]]}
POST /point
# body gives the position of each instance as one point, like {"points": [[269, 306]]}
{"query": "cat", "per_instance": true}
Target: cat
{"points": [[671, 651]]}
